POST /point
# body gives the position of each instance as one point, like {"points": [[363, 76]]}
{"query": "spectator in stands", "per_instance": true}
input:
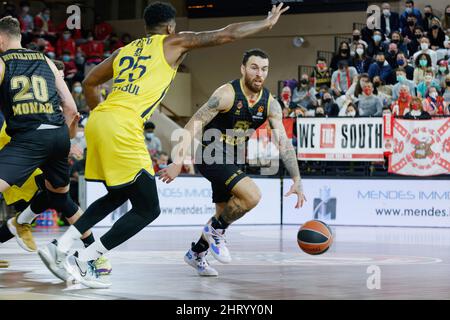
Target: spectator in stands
{"points": [[92, 50], [299, 112], [382, 91], [44, 25], [381, 68], [368, 104], [402, 105], [446, 18], [355, 89], [152, 141], [70, 69], [126, 39], [114, 42], [397, 38], [355, 41], [26, 20], [319, 112], [66, 43], [321, 74], [342, 79], [414, 43], [351, 110], [433, 103], [162, 161], [9, 9], [423, 64], [46, 47], [428, 82], [416, 112], [436, 35], [305, 94], [402, 62], [286, 99], [402, 81], [446, 93], [102, 29], [342, 54], [331, 109], [425, 48], [410, 9], [78, 144], [409, 30], [442, 73], [391, 54], [428, 17], [80, 99], [390, 21], [376, 45], [361, 61]]}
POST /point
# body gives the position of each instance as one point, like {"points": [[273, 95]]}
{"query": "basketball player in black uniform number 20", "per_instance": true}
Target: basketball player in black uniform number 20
{"points": [[32, 92], [238, 106]]}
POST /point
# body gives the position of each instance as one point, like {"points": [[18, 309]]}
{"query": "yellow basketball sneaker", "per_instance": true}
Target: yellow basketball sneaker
{"points": [[103, 266], [23, 234]]}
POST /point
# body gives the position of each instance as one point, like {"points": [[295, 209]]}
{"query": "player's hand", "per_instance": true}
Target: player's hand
{"points": [[275, 14], [296, 189], [73, 127], [169, 174]]}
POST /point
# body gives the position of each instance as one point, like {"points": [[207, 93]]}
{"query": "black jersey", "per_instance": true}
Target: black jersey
{"points": [[28, 95], [236, 124]]}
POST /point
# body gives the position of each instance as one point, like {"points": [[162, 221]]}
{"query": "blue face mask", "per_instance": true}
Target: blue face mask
{"points": [[400, 78], [400, 62], [149, 135], [78, 90], [408, 10], [66, 58], [377, 38], [162, 166]]}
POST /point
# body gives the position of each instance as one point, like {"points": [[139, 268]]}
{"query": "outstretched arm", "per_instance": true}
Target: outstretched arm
{"points": [[221, 100], [175, 46], [287, 152], [100, 74]]}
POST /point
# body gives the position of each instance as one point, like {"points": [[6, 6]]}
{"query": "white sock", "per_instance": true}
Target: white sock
{"points": [[67, 239], [26, 216], [93, 252]]}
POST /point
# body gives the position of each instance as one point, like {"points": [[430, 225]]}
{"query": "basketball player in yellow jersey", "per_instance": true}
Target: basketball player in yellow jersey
{"points": [[142, 73]]}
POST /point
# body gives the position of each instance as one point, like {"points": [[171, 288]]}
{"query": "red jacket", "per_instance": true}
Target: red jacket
{"points": [[102, 31], [93, 49], [63, 45], [39, 23]]}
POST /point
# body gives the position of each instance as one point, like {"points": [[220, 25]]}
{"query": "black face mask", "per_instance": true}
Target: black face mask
{"points": [[447, 83], [434, 27], [320, 115], [380, 63], [411, 23], [447, 14], [376, 84], [344, 50], [304, 81], [428, 14], [395, 41], [418, 36], [356, 38], [327, 100]]}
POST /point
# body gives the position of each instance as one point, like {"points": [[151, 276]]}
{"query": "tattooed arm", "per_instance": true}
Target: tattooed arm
{"points": [[287, 152], [221, 100], [177, 45]]}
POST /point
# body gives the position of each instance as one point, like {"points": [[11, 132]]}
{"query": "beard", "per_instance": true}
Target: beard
{"points": [[253, 85]]}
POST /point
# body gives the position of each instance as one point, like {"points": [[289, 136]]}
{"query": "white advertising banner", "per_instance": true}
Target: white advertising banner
{"points": [[340, 139], [188, 201], [415, 203], [421, 147]]}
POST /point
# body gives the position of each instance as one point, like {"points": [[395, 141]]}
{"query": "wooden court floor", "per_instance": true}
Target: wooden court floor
{"points": [[363, 263]]}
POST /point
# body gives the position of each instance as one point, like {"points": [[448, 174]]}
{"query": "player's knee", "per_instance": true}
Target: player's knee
{"points": [[62, 202], [252, 199], [148, 211]]}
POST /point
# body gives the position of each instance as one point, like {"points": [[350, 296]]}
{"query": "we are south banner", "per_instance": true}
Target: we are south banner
{"points": [[421, 147], [340, 139]]}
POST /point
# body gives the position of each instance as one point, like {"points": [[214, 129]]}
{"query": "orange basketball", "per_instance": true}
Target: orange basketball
{"points": [[314, 237]]}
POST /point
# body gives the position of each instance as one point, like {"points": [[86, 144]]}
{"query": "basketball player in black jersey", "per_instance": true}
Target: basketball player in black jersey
{"points": [[236, 108], [41, 116]]}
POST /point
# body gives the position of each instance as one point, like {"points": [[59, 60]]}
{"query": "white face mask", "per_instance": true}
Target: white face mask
{"points": [[433, 95], [386, 12], [424, 46], [351, 113], [360, 51], [428, 78], [80, 134]]}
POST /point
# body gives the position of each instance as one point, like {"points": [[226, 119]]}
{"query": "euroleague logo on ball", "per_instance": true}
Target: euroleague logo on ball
{"points": [[315, 237]]}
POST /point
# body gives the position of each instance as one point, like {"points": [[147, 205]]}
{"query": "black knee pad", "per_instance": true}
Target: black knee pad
{"points": [[62, 202]]}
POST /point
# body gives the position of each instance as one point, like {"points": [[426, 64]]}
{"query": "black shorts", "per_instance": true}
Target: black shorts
{"points": [[223, 178], [47, 149]]}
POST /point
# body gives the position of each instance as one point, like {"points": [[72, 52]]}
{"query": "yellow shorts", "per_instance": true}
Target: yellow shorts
{"points": [[116, 150], [26, 192]]}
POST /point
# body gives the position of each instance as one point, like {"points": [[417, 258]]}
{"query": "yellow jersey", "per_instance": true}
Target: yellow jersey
{"points": [[141, 78], [117, 153]]}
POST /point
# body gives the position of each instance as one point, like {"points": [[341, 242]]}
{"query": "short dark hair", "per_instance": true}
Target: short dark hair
{"points": [[254, 52], [410, 2], [320, 59], [10, 26], [149, 125], [24, 4], [158, 13]]}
